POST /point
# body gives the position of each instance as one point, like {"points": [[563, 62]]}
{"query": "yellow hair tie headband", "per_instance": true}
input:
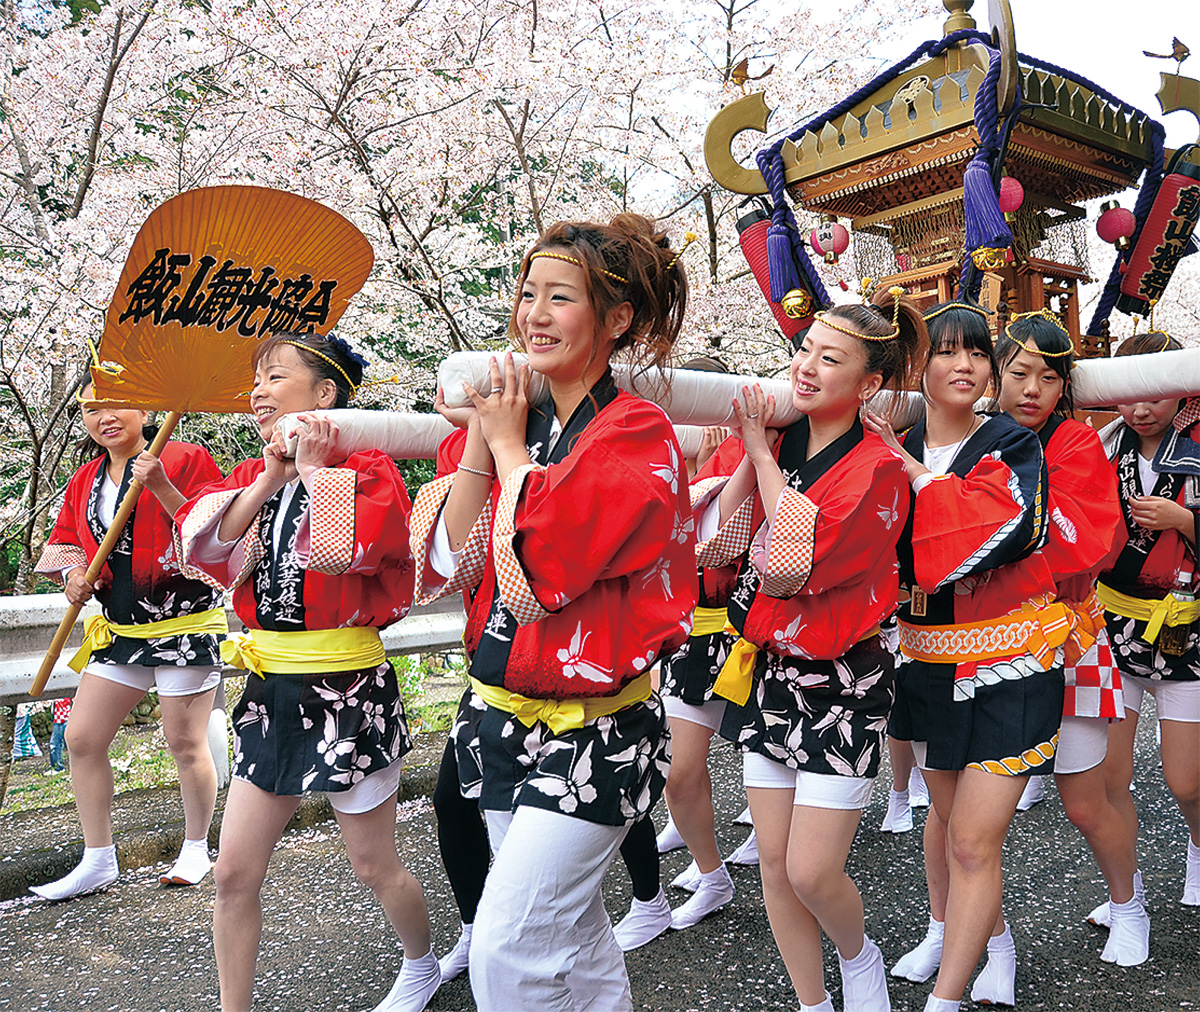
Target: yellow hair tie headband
{"points": [[312, 351], [576, 261], [895, 291], [1047, 315], [955, 305]]}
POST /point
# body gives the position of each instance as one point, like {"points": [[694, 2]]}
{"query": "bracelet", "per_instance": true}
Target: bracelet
{"points": [[475, 470]]}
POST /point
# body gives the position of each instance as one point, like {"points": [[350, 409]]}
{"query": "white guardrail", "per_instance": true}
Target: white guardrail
{"points": [[28, 622]]}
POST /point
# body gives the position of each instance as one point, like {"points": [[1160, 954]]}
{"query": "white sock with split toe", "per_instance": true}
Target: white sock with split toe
{"points": [[933, 1004], [825, 1006], [714, 890], [898, 818], [1102, 918], [669, 839], [1191, 885], [415, 985], [190, 866], [864, 980], [97, 870], [1129, 938], [457, 959], [921, 963], [646, 920], [997, 981]]}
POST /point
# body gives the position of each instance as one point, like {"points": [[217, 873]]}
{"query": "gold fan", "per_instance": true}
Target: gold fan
{"points": [[211, 273]]}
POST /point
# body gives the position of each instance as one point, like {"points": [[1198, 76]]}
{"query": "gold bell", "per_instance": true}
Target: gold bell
{"points": [[796, 304]]}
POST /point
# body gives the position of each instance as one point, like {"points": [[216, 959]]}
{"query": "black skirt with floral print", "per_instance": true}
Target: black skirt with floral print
{"points": [[611, 771], [297, 733], [819, 716]]}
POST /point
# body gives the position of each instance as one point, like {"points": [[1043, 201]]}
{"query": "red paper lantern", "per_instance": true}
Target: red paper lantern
{"points": [[829, 239], [1116, 224], [1012, 195]]}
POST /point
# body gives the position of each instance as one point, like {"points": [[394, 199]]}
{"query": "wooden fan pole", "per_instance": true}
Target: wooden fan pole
{"points": [[101, 557]]}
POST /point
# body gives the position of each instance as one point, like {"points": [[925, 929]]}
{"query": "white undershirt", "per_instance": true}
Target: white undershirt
{"points": [[1147, 473]]}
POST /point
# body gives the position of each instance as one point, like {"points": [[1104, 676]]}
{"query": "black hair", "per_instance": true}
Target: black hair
{"points": [[952, 324], [320, 354], [1032, 332]]}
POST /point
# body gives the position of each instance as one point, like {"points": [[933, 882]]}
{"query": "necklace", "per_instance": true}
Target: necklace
{"points": [[958, 446]]}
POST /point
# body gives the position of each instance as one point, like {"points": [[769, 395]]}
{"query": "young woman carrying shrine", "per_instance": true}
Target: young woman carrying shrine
{"points": [[571, 522], [979, 687], [812, 517], [1149, 598], [159, 629], [316, 551]]}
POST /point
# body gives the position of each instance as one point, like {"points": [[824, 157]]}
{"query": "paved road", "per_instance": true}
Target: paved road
{"points": [[140, 948]]}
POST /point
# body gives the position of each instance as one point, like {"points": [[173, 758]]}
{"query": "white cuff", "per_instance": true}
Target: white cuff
{"points": [[921, 480], [442, 560]]}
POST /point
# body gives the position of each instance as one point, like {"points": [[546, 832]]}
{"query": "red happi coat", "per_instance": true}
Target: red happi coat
{"points": [[597, 570], [830, 574], [1086, 526], [974, 535], [351, 545], [1086, 532], [155, 573]]}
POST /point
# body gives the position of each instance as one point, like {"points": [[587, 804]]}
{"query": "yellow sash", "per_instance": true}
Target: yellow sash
{"points": [[737, 673], [267, 651], [1155, 613], [1039, 628], [98, 632], [706, 621], [562, 714]]}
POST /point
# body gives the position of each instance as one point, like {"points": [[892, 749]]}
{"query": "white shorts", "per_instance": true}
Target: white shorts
{"points": [[369, 793], [1175, 700], [709, 714], [171, 681], [814, 790], [1082, 744]]}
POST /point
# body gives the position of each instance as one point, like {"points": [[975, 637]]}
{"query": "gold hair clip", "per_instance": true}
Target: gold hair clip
{"points": [[895, 291], [688, 239], [353, 386], [576, 261], [955, 305], [1047, 315]]}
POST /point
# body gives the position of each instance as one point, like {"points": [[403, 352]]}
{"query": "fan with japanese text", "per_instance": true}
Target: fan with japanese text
{"points": [[211, 273]]}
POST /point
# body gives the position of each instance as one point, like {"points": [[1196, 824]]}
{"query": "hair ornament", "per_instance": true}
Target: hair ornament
{"points": [[344, 347], [576, 261], [896, 292], [325, 358], [1049, 316], [688, 239], [955, 305]]}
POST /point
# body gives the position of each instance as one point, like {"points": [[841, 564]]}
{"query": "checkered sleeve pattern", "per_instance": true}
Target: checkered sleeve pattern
{"points": [[730, 541], [790, 558], [197, 524], [56, 558], [705, 488], [1188, 416], [331, 520], [425, 511], [511, 581]]}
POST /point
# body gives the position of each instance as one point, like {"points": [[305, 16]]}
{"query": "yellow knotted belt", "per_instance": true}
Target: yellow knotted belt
{"points": [[98, 632], [1155, 613], [562, 714], [706, 621], [268, 651], [1039, 628], [736, 677], [1089, 620]]}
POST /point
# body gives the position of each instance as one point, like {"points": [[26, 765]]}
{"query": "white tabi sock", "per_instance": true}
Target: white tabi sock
{"points": [[997, 981], [97, 869], [1191, 885], [933, 1004], [1129, 940], [864, 981], [415, 985], [825, 1006], [191, 866], [457, 959], [921, 963]]}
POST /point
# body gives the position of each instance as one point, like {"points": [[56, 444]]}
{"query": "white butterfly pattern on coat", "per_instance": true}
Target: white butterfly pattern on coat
{"points": [[668, 472], [889, 515], [573, 661]]}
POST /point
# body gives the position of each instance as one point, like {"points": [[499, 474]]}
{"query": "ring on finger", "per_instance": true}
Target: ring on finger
{"points": [[755, 415], [497, 390]]}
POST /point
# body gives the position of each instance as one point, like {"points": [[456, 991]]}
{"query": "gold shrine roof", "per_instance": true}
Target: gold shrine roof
{"points": [[910, 141]]}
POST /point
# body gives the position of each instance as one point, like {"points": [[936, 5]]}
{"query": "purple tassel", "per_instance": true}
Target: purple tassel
{"points": [[780, 262], [985, 224]]}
